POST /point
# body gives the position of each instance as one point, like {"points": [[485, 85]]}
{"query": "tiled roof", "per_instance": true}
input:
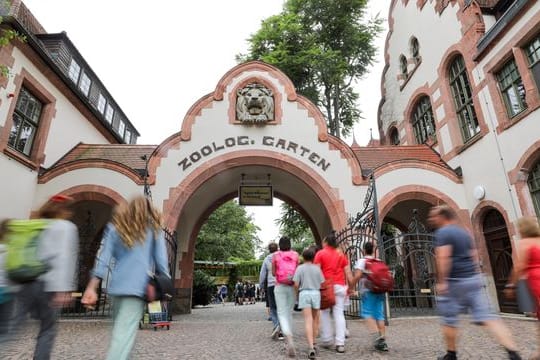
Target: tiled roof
{"points": [[128, 155], [372, 157]]}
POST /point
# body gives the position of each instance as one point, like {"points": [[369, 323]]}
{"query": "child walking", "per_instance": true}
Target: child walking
{"points": [[307, 281]]}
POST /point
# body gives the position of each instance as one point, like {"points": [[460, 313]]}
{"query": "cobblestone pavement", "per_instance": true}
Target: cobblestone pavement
{"points": [[243, 332]]}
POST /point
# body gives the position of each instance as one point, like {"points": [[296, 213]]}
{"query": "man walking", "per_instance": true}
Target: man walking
{"points": [[460, 283], [266, 276]]}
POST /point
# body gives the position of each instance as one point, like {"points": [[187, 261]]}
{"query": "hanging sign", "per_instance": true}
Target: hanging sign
{"points": [[255, 195]]}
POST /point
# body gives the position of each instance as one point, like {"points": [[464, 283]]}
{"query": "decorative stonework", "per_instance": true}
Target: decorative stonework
{"points": [[255, 104]]}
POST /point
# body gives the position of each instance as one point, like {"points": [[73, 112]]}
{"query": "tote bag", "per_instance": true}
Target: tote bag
{"points": [[328, 297]]}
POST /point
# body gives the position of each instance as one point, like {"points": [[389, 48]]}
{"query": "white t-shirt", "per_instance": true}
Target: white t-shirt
{"points": [[361, 265]]}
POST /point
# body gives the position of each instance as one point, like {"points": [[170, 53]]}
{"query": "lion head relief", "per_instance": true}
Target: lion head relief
{"points": [[254, 103]]}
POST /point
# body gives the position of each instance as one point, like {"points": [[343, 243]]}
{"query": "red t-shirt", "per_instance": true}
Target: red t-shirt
{"points": [[332, 263]]}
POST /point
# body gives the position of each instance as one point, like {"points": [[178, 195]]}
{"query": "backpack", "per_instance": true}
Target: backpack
{"points": [[379, 279], [22, 239], [286, 263]]}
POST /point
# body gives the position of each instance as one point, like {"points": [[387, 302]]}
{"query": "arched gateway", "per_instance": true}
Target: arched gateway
{"points": [[252, 130]]}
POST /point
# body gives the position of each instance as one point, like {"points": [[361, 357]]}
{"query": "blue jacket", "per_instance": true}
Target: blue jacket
{"points": [[130, 268]]}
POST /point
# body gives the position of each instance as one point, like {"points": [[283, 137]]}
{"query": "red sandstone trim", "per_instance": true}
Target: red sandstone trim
{"points": [[94, 193], [194, 111], [315, 113], [417, 164], [352, 161], [85, 164]]}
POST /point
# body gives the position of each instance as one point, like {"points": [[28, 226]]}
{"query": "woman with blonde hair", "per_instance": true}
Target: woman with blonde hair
{"points": [[135, 240], [527, 263]]}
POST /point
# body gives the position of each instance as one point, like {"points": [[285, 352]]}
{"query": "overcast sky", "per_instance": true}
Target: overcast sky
{"points": [[157, 58]]}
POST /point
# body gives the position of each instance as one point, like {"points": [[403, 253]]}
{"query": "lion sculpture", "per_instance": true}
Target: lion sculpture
{"points": [[254, 103]]}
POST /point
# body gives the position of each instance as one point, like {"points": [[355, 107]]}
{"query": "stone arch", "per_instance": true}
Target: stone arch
{"points": [[518, 176]]}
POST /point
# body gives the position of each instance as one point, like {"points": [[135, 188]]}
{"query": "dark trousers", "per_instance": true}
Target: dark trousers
{"points": [[32, 299], [272, 305]]}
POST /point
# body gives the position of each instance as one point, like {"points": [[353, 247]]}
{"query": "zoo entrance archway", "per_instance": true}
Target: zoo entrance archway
{"points": [[195, 198]]}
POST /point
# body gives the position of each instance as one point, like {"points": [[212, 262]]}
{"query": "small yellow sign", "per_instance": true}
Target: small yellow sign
{"points": [[251, 195], [425, 291]]}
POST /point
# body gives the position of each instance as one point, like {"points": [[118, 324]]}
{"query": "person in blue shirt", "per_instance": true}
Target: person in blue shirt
{"points": [[135, 240]]}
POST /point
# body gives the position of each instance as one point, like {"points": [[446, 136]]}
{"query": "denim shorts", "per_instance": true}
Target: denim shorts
{"points": [[309, 299], [465, 295], [373, 306]]}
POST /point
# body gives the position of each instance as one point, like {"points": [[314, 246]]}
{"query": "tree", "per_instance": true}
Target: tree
{"points": [[324, 47], [228, 233], [293, 225]]}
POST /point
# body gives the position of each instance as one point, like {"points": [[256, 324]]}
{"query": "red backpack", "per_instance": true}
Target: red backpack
{"points": [[379, 277]]}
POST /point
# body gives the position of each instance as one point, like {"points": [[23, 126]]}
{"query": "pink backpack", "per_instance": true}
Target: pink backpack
{"points": [[285, 263]]}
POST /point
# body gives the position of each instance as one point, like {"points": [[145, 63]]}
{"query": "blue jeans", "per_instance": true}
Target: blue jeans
{"points": [[128, 311], [272, 305], [285, 304]]}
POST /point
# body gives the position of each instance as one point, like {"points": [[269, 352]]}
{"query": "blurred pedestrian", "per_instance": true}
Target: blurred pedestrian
{"points": [[284, 263], [527, 263], [335, 268], [307, 282], [135, 240], [6, 296], [460, 283], [58, 246], [266, 278]]}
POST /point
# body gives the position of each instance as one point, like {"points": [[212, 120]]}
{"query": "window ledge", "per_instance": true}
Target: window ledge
{"points": [[15, 155], [517, 118], [470, 142]]}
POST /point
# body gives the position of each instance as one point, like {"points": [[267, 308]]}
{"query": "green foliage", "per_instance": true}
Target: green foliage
{"points": [[228, 233], [203, 288], [293, 225], [7, 36], [324, 47]]}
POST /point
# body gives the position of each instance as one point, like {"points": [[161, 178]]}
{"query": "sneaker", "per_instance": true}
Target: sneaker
{"points": [[312, 354], [340, 349], [381, 345], [329, 346], [276, 333], [281, 336], [447, 356]]}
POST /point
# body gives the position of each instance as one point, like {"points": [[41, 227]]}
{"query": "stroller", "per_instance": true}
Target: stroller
{"points": [[156, 316]]}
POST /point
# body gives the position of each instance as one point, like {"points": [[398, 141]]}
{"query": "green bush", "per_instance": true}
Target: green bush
{"points": [[203, 288]]}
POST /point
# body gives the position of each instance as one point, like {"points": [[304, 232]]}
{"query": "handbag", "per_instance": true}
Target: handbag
{"points": [[328, 297], [160, 286], [525, 299]]}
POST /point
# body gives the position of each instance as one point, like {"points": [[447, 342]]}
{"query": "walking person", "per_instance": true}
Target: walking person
{"points": [[527, 264], [266, 277], [372, 303], [135, 240], [335, 267], [223, 293], [460, 283], [58, 246], [284, 263], [307, 283]]}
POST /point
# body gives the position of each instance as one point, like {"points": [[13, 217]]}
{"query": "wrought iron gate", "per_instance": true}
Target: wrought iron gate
{"points": [[409, 256]]}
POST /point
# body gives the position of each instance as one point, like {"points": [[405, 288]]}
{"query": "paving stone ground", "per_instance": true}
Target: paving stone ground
{"points": [[243, 332]]}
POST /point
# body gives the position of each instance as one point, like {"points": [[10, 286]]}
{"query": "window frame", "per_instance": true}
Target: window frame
{"points": [[25, 119], [403, 66], [463, 100], [414, 47], [109, 106], [85, 82], [99, 102], [533, 183], [510, 67], [532, 52], [71, 72], [422, 110]]}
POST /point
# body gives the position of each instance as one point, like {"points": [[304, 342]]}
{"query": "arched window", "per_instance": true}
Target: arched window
{"points": [[534, 186], [394, 136], [463, 101], [403, 66], [422, 120], [415, 48]]}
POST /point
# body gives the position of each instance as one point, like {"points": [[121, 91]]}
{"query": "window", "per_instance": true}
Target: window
{"points": [[533, 54], [109, 113], [127, 137], [403, 66], [512, 88], [423, 122], [461, 92], [121, 128], [534, 187], [25, 122], [415, 49], [394, 137], [74, 71], [84, 84], [101, 103]]}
